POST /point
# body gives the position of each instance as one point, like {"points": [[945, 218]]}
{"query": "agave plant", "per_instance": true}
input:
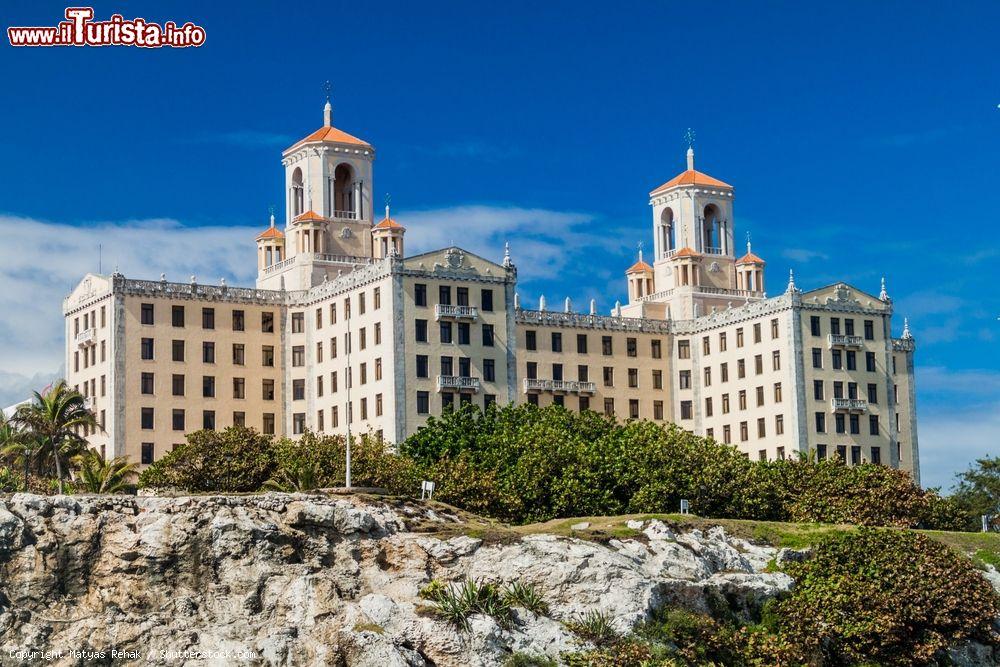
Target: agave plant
{"points": [[302, 477], [95, 475]]}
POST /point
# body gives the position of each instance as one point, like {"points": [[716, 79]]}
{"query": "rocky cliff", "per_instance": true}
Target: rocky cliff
{"points": [[310, 579], [283, 579]]}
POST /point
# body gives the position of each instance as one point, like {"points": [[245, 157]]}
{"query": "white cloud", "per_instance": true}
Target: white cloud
{"points": [[951, 440], [45, 260], [803, 255]]}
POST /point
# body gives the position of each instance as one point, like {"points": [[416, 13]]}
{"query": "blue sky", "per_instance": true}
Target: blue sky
{"points": [[862, 139]]}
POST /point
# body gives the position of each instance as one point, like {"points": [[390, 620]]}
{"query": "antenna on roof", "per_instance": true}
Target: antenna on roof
{"points": [[327, 108]]}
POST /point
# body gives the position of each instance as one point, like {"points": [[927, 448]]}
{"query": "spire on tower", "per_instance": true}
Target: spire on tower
{"points": [[791, 281], [506, 254], [883, 295], [906, 329], [327, 108]]}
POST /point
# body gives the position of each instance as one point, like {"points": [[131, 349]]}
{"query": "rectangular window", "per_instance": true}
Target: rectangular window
{"points": [[146, 420], [776, 360], [177, 420], [267, 355], [633, 408], [609, 407], [298, 423], [849, 326], [376, 298], [208, 420], [147, 453], [486, 300], [724, 372], [687, 410], [361, 303], [760, 396], [208, 386], [445, 332], [609, 376], [725, 404], [146, 348], [177, 316], [581, 343], [146, 383], [633, 378], [532, 370], [584, 403], [208, 318], [708, 376], [708, 406], [840, 424], [739, 337], [239, 388], [821, 422], [852, 360], [444, 295], [855, 421], [761, 427], [814, 327], [463, 333], [727, 435], [876, 455], [870, 335], [146, 313], [177, 385], [655, 349], [631, 347], [421, 365], [774, 329], [448, 401], [779, 426], [722, 342], [821, 452], [777, 392], [239, 354], [556, 341], [756, 332], [462, 296], [758, 364], [319, 318], [744, 432], [606, 346], [239, 320], [837, 361], [298, 356], [657, 379], [487, 335], [741, 369], [298, 390], [423, 402], [583, 373], [873, 425], [489, 370], [835, 326], [298, 322], [420, 294], [683, 349], [706, 345], [267, 423], [818, 390], [267, 322], [855, 455], [420, 330], [378, 333], [684, 379], [817, 357], [447, 365], [530, 340], [208, 353]]}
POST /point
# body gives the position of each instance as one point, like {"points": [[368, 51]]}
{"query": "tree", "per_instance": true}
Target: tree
{"points": [[978, 489], [298, 477], [100, 476], [54, 421]]}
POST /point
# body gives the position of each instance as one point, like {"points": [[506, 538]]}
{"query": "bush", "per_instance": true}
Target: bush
{"points": [[886, 597], [456, 603], [235, 460]]}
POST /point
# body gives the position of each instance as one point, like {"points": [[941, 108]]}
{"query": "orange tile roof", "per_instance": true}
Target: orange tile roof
{"points": [[691, 177], [687, 252], [640, 267], [389, 223], [309, 216], [328, 134], [750, 258], [271, 233]]}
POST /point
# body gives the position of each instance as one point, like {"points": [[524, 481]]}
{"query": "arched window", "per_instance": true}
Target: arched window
{"points": [[668, 238], [298, 194], [711, 235], [343, 193]]}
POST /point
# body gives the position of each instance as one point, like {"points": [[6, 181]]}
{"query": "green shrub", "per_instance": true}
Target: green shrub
{"points": [[596, 627], [526, 596], [235, 460], [10, 481], [456, 603], [325, 458], [887, 597], [529, 660]]}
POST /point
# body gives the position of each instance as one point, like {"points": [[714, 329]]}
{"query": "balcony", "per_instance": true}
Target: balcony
{"points": [[533, 385], [449, 382], [709, 250], [844, 340], [86, 338], [455, 312], [343, 215], [849, 405]]}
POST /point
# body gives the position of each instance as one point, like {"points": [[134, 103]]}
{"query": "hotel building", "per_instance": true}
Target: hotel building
{"points": [[344, 330]]}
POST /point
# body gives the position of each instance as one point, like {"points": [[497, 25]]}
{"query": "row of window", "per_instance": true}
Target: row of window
{"points": [[89, 356], [741, 400], [178, 386], [856, 458], [446, 329], [147, 351], [179, 421], [378, 406], [744, 429], [448, 401], [815, 327], [583, 344], [299, 384], [844, 423], [844, 360], [299, 317], [447, 367], [178, 318], [299, 351], [90, 321], [461, 296], [819, 390]]}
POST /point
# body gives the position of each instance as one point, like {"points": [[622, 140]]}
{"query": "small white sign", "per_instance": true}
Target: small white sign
{"points": [[685, 507], [426, 490]]}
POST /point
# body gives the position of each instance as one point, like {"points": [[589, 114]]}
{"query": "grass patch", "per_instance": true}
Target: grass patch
{"points": [[596, 627]]}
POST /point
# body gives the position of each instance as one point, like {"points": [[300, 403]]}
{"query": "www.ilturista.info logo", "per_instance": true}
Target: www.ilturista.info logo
{"points": [[79, 29]]}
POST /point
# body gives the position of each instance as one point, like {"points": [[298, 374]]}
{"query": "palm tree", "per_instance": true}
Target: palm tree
{"points": [[301, 477], [100, 476], [53, 420]]}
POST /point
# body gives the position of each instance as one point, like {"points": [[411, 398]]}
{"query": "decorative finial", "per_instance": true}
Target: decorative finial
{"points": [[593, 307], [270, 210], [568, 306], [506, 254], [327, 108], [541, 303], [640, 251], [791, 281], [388, 199], [906, 329], [883, 295], [748, 243], [618, 309], [517, 301]]}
